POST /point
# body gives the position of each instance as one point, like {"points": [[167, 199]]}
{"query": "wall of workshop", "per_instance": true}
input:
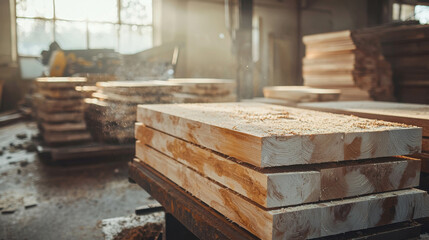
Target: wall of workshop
{"points": [[13, 89]]}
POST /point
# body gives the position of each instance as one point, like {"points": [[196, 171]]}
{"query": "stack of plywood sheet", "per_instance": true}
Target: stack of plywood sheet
{"points": [[60, 110], [412, 114], [111, 112], [201, 90], [282, 172], [301, 93], [348, 60]]}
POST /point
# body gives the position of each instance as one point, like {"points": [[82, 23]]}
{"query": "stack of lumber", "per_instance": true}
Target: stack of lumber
{"points": [[203, 90], [93, 78], [301, 93], [282, 172], [111, 112], [60, 111], [348, 60], [407, 50], [412, 114]]}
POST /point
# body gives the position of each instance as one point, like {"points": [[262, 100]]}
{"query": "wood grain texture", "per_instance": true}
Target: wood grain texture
{"points": [[412, 114], [300, 222], [279, 187], [60, 82], [301, 93], [206, 86], [268, 135]]}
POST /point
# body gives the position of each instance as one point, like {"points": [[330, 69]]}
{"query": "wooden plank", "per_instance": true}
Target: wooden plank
{"points": [[66, 137], [412, 114], [200, 219], [268, 135], [126, 99], [301, 93], [285, 186], [316, 38], [60, 82], [139, 87], [192, 98], [60, 93], [62, 127], [50, 105], [206, 86], [60, 117], [304, 221]]}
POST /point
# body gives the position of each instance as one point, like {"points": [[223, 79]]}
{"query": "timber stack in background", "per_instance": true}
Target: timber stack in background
{"points": [[111, 112], [205, 90], [60, 111], [285, 173], [351, 61], [407, 50]]}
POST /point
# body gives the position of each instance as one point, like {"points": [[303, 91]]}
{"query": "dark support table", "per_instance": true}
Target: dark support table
{"points": [[188, 218], [180, 207]]}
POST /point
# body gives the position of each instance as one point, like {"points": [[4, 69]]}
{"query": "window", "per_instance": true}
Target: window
{"points": [[124, 25], [405, 12]]}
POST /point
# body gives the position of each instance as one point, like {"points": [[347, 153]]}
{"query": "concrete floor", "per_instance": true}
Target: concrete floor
{"points": [[71, 200]]}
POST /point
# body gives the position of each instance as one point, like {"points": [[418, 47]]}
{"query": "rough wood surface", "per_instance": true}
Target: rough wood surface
{"points": [[193, 98], [60, 82], [139, 87], [60, 117], [206, 86], [51, 105], [300, 222], [278, 187], [301, 93], [407, 113], [268, 135], [61, 127], [66, 137]]}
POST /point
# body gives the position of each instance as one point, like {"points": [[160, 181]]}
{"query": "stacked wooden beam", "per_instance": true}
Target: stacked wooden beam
{"points": [[202, 90], [407, 50], [301, 93], [60, 110], [349, 60], [281, 172], [111, 112], [412, 114]]}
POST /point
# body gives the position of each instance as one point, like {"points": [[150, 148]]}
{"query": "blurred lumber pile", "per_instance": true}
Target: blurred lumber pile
{"points": [[282, 172], [60, 111], [299, 94], [202, 90], [111, 112], [350, 61]]}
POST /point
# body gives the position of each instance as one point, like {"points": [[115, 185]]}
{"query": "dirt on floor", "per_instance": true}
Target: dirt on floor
{"points": [[40, 201]]}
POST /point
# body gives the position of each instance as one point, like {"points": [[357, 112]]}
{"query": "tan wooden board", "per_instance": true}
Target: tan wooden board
{"points": [[139, 87], [301, 93], [60, 93], [206, 86], [51, 105], [268, 135], [63, 127], [412, 114], [274, 101], [279, 187], [126, 99], [298, 222], [317, 38], [60, 117], [192, 98], [65, 137], [60, 82]]}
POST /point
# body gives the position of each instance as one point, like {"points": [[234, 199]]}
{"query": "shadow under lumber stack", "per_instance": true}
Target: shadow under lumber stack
{"points": [[111, 112], [350, 61], [60, 111], [204, 90], [285, 173]]}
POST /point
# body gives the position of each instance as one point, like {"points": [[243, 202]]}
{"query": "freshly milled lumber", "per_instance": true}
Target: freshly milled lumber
{"points": [[60, 82], [206, 86], [190, 98], [301, 93], [299, 222], [267, 135], [407, 113], [139, 87], [276, 187]]}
